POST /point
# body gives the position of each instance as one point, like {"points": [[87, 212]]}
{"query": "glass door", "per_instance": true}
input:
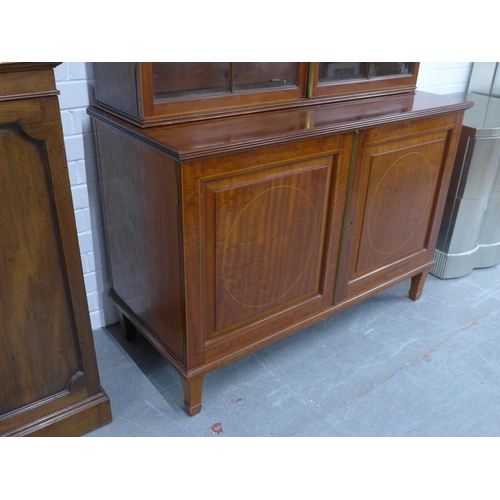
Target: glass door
{"points": [[360, 78], [180, 90]]}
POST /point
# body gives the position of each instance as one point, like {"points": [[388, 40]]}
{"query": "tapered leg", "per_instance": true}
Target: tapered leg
{"points": [[417, 285], [193, 387], [128, 329]]}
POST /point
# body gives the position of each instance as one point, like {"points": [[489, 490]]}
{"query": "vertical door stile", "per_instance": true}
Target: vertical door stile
{"points": [[346, 221]]}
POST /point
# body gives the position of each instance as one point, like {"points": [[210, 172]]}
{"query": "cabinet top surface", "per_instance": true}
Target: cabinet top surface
{"points": [[189, 141]]}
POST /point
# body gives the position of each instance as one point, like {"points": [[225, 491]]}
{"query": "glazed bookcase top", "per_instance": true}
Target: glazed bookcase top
{"points": [[155, 93]]}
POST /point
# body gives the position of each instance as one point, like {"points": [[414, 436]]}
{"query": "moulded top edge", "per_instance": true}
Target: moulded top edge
{"points": [[193, 140], [26, 66]]}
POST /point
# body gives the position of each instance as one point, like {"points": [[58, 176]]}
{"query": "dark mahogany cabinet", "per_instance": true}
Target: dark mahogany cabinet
{"points": [[226, 234], [149, 94], [49, 383]]}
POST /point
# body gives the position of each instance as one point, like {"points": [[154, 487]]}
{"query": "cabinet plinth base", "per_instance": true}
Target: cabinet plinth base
{"points": [[72, 421]]}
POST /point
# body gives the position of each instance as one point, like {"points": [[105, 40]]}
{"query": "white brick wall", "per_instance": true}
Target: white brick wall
{"points": [[74, 80], [444, 77]]}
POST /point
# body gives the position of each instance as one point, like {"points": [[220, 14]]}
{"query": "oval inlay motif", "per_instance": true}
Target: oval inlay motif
{"points": [[406, 184], [269, 246]]}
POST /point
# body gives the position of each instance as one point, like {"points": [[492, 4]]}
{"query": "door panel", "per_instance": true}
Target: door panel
{"points": [[269, 239], [49, 383], [399, 200], [396, 189], [33, 299]]}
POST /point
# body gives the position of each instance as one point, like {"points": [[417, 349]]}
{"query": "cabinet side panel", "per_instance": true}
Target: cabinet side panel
{"points": [[463, 157], [115, 86], [37, 350], [140, 202]]}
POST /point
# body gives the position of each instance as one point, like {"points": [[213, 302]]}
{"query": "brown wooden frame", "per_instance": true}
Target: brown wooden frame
{"points": [[50, 381], [362, 88], [213, 105], [126, 90]]}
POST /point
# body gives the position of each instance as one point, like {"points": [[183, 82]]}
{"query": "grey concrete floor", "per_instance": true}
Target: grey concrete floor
{"points": [[385, 367]]}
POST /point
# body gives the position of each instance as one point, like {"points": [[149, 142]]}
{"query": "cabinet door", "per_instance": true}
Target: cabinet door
{"points": [[264, 256], [49, 384], [343, 79], [178, 91], [400, 179]]}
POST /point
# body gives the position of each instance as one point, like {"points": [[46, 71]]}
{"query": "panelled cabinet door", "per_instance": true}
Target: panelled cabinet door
{"points": [[34, 306], [396, 195], [268, 255], [49, 384]]}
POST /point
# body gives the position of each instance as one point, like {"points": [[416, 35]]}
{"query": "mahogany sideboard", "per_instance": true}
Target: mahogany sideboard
{"points": [[49, 383], [229, 233]]}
